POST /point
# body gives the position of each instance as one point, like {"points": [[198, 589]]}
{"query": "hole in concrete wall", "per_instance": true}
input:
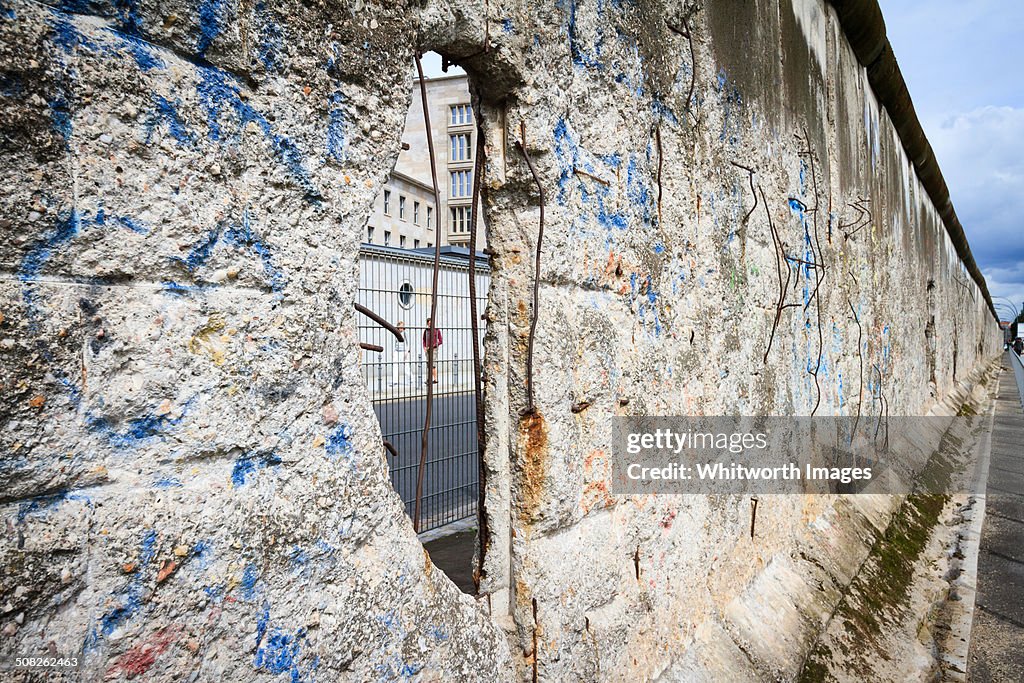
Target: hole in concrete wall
{"points": [[396, 273]]}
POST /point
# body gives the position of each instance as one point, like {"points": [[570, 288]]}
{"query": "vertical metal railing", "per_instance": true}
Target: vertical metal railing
{"points": [[395, 284]]}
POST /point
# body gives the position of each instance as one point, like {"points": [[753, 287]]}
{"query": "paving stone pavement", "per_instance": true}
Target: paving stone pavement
{"points": [[997, 635]]}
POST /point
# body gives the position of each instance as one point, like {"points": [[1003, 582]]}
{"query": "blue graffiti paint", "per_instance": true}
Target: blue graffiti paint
{"points": [[277, 652], [128, 599], [339, 442], [637, 190], [136, 430], [128, 17], [220, 93], [336, 127], [250, 575], [40, 504], [141, 52], [249, 463], [507, 25], [570, 156], [663, 111], [270, 44], [67, 226], [240, 237], [200, 251], [167, 483], [211, 22], [202, 553], [165, 112], [297, 556], [581, 56], [60, 117], [66, 35]]}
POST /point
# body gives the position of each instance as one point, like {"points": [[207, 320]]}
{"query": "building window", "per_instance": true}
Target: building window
{"points": [[429, 245], [369, 234], [462, 183], [430, 217], [415, 244], [462, 114], [401, 207], [401, 241], [387, 238], [460, 147], [461, 216], [416, 213], [405, 293], [387, 202]]}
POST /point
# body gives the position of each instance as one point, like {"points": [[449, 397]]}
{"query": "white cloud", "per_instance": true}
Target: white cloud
{"points": [[981, 153]]}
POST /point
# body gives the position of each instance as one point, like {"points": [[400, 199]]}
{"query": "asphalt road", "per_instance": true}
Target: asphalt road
{"points": [[450, 480]]}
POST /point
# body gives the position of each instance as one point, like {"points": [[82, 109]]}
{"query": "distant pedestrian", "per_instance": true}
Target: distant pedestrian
{"points": [[432, 341], [1018, 346]]}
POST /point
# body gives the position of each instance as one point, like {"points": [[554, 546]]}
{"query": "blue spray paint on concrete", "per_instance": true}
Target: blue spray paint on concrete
{"points": [[277, 651], [251, 462], [129, 598], [136, 431], [270, 44], [212, 18], [336, 127], [220, 93], [165, 112], [339, 442], [237, 236]]}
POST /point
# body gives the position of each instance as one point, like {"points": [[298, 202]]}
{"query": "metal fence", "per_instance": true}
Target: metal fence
{"points": [[395, 283]]}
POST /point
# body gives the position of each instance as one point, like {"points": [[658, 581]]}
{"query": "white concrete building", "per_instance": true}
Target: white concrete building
{"points": [[404, 214]]}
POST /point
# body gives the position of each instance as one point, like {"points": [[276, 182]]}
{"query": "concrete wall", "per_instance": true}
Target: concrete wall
{"points": [[193, 479]]}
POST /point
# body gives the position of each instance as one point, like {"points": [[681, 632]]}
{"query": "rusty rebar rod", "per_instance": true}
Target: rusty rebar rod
{"points": [[478, 392], [860, 357], [380, 321], [390, 447], [432, 325], [580, 171], [371, 347], [521, 143], [661, 158], [750, 177], [753, 514]]}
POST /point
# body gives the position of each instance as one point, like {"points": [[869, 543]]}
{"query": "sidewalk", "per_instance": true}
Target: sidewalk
{"points": [[997, 633]]}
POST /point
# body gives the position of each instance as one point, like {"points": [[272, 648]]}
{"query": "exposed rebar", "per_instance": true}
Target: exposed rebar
{"points": [[478, 393], [521, 143], [380, 321], [371, 347], [432, 325]]}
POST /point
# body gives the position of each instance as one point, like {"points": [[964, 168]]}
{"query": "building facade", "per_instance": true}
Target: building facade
{"points": [[404, 213]]}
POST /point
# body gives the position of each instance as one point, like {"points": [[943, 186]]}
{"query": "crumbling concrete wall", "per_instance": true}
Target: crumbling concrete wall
{"points": [[193, 478]]}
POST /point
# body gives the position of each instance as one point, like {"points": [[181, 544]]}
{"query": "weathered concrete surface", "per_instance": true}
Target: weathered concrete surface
{"points": [[193, 483]]}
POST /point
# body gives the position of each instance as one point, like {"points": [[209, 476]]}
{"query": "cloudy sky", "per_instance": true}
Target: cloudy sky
{"points": [[963, 61]]}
